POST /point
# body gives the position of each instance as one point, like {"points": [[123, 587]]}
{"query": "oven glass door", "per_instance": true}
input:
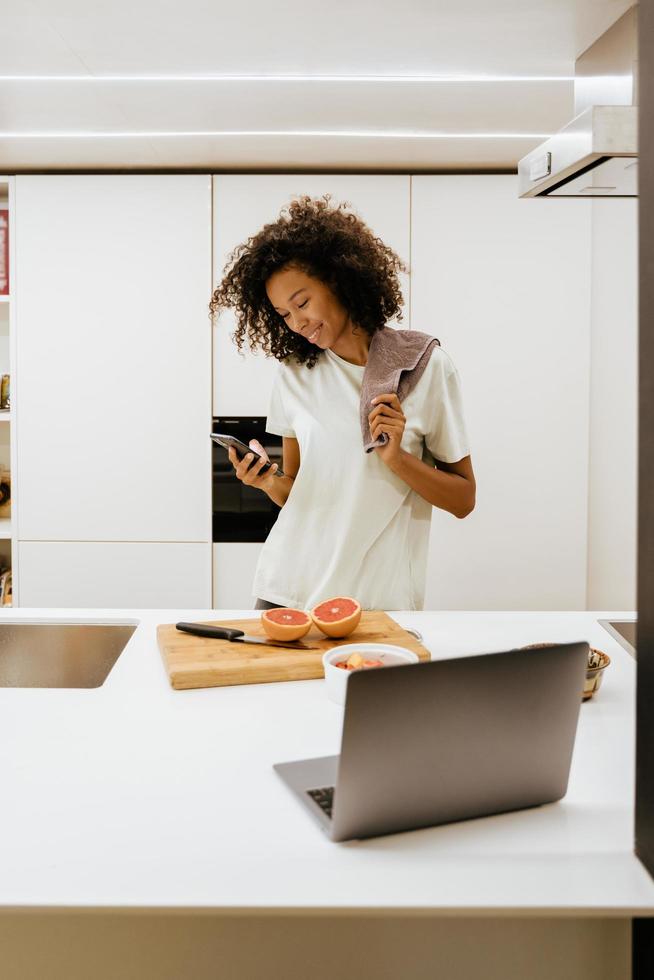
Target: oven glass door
{"points": [[241, 513]]}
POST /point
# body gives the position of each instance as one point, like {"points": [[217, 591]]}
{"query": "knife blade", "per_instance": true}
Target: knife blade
{"points": [[237, 636]]}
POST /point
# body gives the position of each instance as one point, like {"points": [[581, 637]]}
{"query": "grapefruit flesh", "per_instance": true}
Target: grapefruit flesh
{"points": [[285, 624], [337, 617]]}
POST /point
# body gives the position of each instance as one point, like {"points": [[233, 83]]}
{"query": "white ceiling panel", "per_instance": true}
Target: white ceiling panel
{"points": [[342, 37], [541, 107], [140, 36], [32, 45]]}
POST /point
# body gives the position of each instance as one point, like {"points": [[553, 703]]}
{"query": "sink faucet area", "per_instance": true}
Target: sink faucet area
{"points": [[60, 654]]}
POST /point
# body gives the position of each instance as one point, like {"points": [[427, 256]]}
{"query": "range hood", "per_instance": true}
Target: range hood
{"points": [[595, 155]]}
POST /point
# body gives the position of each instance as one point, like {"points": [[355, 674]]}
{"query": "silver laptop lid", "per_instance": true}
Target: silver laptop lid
{"points": [[445, 740]]}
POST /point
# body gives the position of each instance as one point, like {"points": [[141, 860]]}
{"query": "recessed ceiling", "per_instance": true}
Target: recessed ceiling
{"points": [[173, 119]]}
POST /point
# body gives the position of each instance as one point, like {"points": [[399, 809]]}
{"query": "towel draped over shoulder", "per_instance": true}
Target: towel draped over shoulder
{"points": [[396, 361]]}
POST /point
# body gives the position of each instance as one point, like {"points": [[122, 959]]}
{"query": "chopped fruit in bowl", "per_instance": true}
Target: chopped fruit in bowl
{"points": [[355, 661], [342, 661]]}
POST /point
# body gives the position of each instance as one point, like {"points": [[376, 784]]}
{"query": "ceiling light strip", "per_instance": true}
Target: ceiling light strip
{"points": [[383, 134], [428, 78]]}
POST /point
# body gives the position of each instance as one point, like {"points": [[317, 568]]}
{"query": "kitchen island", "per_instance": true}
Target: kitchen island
{"points": [[144, 833]]}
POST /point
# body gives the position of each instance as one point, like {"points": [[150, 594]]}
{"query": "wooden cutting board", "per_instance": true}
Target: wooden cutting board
{"points": [[195, 661]]}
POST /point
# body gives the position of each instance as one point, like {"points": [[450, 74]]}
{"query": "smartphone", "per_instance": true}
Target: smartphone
{"points": [[242, 450]]}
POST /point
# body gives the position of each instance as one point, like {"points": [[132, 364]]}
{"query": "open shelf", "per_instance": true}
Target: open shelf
{"points": [[7, 365]]}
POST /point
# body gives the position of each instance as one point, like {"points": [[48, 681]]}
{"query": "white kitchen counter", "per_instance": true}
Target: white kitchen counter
{"points": [[133, 795]]}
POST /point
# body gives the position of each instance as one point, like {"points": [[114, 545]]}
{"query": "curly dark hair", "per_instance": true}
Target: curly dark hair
{"points": [[326, 243]]}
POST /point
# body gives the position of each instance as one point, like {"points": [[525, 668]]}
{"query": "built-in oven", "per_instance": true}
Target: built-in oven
{"points": [[241, 513]]}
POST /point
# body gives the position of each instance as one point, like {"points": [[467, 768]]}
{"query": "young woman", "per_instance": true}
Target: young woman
{"points": [[311, 290]]}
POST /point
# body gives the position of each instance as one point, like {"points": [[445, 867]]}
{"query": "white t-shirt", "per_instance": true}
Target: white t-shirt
{"points": [[350, 526]]}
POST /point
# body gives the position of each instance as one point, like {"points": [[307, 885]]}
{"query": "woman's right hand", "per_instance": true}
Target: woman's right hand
{"points": [[248, 474]]}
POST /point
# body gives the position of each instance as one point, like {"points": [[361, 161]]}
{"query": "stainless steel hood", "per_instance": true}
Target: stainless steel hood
{"points": [[595, 155]]}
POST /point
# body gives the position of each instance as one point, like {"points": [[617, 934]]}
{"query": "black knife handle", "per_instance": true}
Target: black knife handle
{"points": [[213, 632]]}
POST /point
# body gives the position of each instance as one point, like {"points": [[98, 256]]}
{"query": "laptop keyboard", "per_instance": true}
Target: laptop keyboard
{"points": [[324, 798]]}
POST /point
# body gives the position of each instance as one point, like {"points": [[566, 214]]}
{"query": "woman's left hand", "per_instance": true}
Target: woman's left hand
{"points": [[387, 416]]}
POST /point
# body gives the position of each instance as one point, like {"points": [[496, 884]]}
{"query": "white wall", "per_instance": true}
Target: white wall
{"points": [[613, 463]]}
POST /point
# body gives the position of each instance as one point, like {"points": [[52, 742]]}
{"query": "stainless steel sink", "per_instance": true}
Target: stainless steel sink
{"points": [[60, 654], [622, 630]]}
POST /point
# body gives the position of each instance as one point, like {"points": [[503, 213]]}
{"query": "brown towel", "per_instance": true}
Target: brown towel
{"points": [[396, 362]]}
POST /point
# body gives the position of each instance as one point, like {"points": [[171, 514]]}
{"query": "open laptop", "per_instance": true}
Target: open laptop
{"points": [[446, 740]]}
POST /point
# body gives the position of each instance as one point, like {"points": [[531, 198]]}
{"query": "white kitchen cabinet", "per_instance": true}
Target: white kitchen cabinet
{"points": [[114, 357], [234, 565], [243, 204], [504, 283], [114, 574], [113, 279]]}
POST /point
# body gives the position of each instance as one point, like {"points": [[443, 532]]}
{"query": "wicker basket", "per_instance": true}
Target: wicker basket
{"points": [[597, 662]]}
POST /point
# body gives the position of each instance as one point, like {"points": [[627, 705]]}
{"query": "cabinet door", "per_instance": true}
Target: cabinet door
{"points": [[113, 391], [234, 565], [243, 203], [504, 283], [114, 574]]}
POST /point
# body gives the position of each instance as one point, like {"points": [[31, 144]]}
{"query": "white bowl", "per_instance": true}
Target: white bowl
{"points": [[336, 677]]}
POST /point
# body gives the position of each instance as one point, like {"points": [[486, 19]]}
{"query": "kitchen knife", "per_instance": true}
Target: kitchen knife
{"points": [[237, 636]]}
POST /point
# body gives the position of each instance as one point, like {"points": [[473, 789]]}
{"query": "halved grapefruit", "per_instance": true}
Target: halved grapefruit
{"points": [[337, 617], [285, 623]]}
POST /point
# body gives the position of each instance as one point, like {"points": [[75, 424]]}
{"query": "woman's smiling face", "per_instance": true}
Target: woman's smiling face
{"points": [[307, 306]]}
